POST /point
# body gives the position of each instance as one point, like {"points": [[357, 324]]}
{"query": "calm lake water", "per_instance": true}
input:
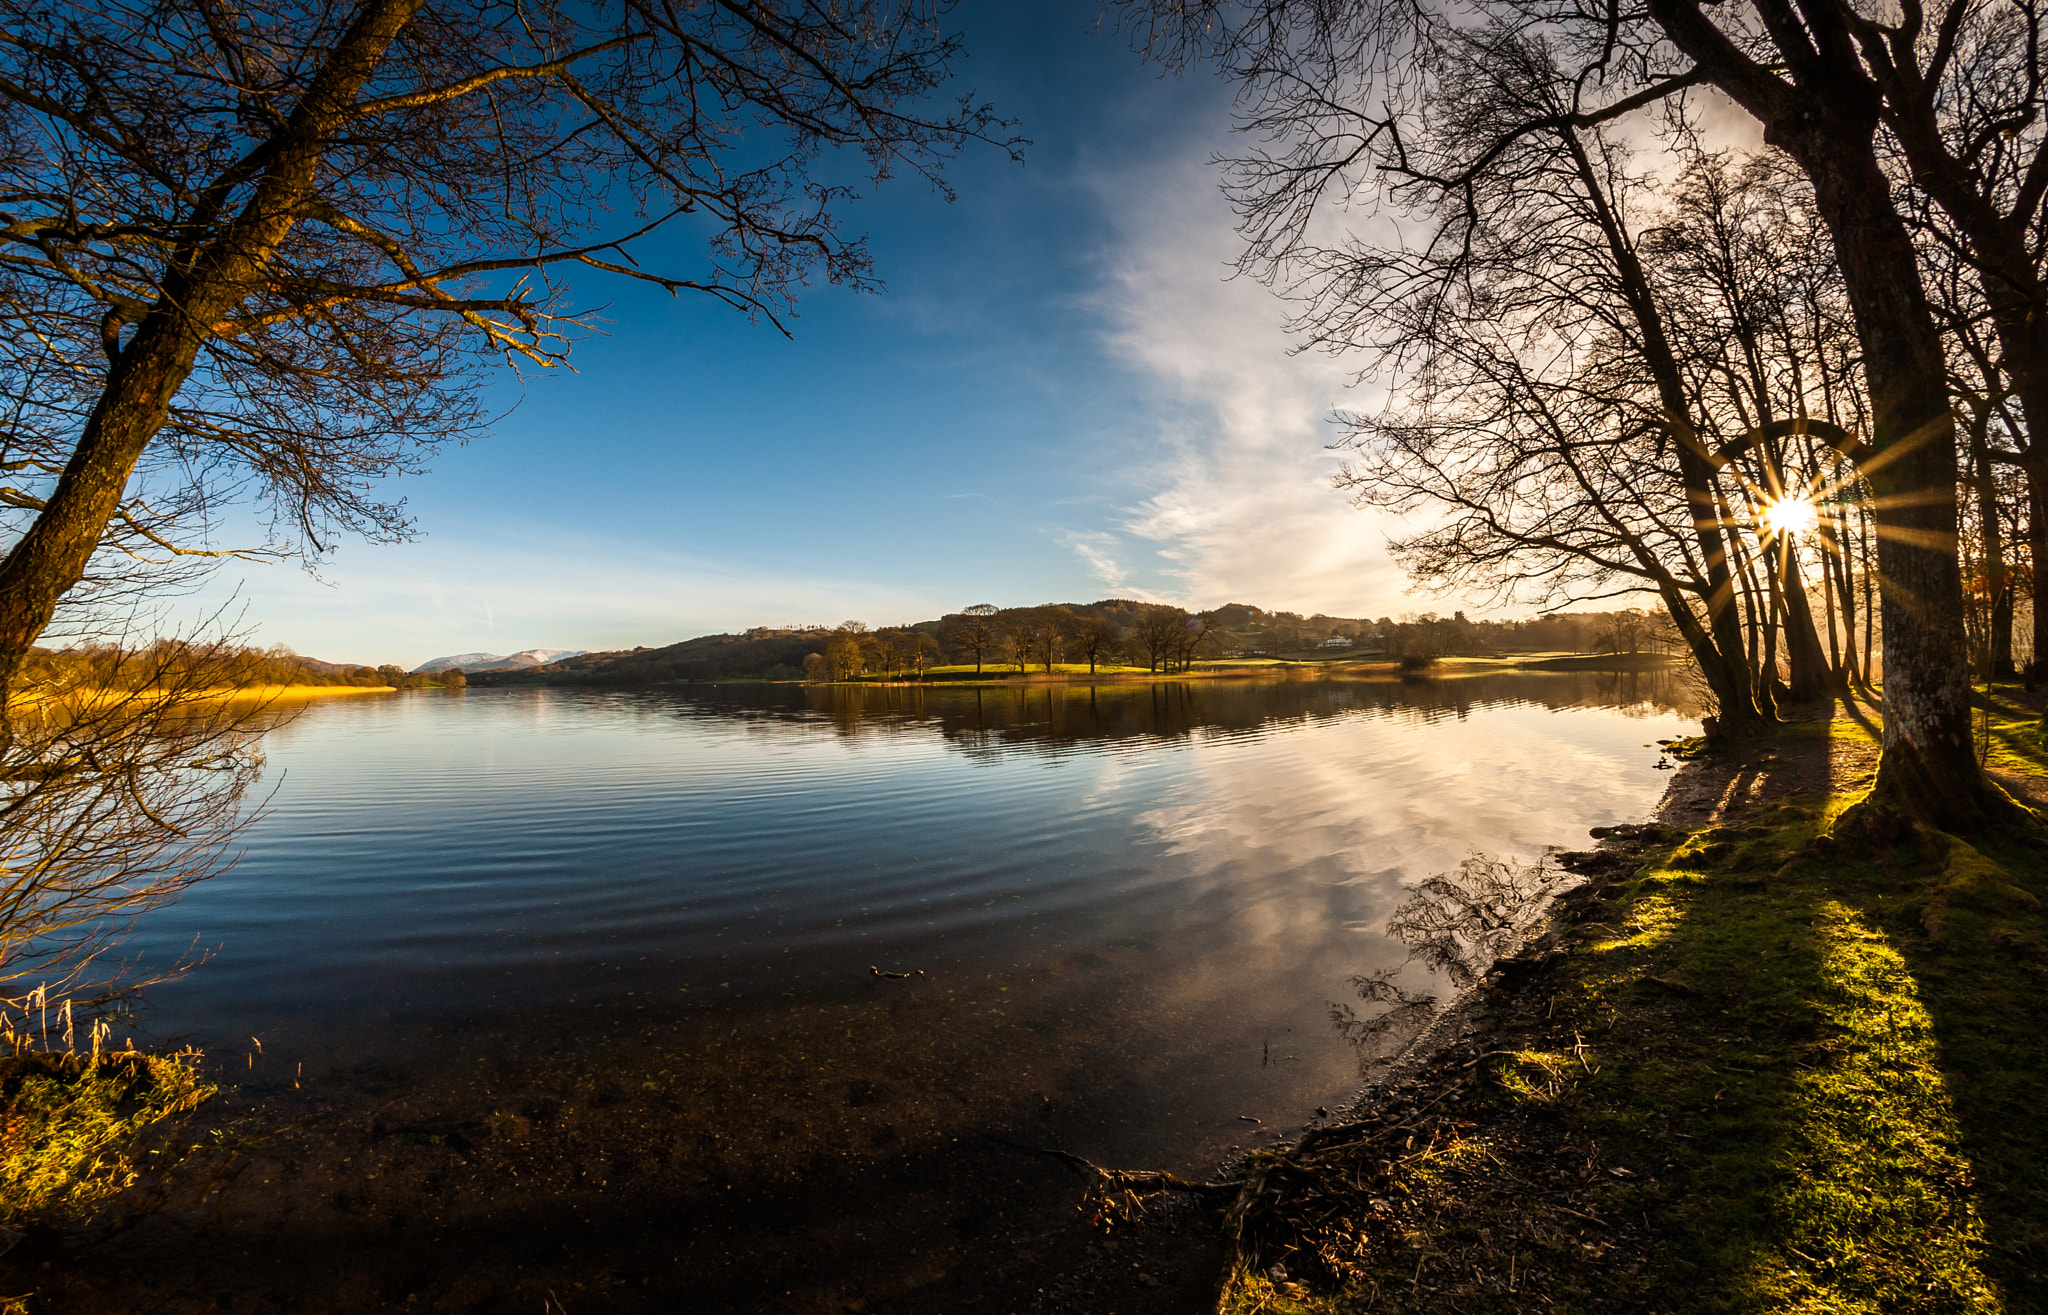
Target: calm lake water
{"points": [[569, 996], [1157, 892]]}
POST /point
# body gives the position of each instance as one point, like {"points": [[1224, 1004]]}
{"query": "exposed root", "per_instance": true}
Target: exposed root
{"points": [[1911, 799]]}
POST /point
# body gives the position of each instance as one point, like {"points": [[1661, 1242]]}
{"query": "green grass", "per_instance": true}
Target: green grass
{"points": [[1035, 669], [1827, 1069], [78, 1131], [2019, 737], [1812, 1089]]}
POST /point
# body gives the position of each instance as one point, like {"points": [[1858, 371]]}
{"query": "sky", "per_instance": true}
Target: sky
{"points": [[1060, 395]]}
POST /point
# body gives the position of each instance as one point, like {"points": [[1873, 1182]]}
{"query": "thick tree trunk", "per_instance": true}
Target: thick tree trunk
{"points": [[1929, 764], [1725, 672], [1820, 106], [146, 374]]}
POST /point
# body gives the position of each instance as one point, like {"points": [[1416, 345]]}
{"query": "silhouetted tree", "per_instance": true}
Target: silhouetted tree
{"points": [[1345, 88], [275, 248], [1160, 631]]}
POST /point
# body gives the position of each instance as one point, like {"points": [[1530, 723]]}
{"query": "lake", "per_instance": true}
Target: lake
{"points": [[1129, 915]]}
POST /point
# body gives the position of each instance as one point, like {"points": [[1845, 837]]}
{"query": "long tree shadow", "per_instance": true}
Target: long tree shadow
{"points": [[1843, 1047], [1766, 1074], [1968, 929]]}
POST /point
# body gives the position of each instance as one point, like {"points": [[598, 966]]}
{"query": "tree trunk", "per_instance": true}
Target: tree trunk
{"points": [[1842, 586], [1826, 117], [1929, 764], [2036, 466], [1809, 665], [1827, 597], [146, 374], [1997, 581], [1741, 713]]}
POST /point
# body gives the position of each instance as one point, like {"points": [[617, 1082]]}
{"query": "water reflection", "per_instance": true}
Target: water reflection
{"points": [[1134, 908], [1059, 717], [1456, 925]]}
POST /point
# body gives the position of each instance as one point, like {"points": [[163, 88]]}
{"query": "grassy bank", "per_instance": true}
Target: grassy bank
{"points": [[300, 691], [1751, 1070]]}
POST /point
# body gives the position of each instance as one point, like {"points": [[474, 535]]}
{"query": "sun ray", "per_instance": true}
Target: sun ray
{"points": [[1791, 516]]}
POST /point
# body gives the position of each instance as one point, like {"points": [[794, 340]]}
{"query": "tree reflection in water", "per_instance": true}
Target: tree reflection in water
{"points": [[1457, 924], [1059, 717]]}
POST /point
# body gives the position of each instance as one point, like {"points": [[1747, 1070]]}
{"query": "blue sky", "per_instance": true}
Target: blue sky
{"points": [[1058, 395]]}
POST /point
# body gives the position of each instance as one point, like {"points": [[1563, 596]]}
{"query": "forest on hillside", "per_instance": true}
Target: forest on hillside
{"points": [[1110, 633]]}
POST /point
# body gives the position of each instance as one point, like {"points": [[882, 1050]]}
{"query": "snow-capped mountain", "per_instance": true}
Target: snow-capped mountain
{"points": [[530, 657]]}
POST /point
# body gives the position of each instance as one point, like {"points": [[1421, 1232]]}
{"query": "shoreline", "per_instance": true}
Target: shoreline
{"points": [[1454, 668], [1449, 669], [1620, 1064], [1613, 1114]]}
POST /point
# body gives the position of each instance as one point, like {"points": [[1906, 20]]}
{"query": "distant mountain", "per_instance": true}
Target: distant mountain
{"points": [[530, 657]]}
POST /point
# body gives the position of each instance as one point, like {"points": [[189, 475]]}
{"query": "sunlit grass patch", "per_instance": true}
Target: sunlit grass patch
{"points": [[1777, 1070], [1649, 919], [76, 1131], [2018, 735], [1874, 1210], [1534, 1075]]}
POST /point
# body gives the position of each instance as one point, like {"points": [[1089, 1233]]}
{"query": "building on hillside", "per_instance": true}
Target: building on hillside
{"points": [[1336, 641]]}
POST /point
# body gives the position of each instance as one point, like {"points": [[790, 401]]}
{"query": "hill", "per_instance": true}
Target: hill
{"points": [[1234, 629], [524, 659], [776, 654]]}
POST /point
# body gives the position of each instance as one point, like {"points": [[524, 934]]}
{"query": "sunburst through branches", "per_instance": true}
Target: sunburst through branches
{"points": [[1793, 515]]}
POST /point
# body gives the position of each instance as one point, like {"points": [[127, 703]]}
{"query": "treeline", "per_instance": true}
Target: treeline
{"points": [[1110, 634], [1059, 715], [189, 664]]}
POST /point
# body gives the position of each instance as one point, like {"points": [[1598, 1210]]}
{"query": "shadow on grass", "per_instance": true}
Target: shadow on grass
{"points": [[1769, 1075], [1840, 1057]]}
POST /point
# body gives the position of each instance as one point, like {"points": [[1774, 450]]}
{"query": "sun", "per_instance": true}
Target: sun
{"points": [[1792, 515]]}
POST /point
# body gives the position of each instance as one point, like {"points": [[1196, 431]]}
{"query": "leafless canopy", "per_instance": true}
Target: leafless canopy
{"points": [[269, 250]]}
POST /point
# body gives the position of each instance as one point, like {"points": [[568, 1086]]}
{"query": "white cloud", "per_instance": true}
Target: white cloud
{"points": [[1098, 549], [1241, 507]]}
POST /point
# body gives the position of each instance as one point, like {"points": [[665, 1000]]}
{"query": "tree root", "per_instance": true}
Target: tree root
{"points": [[1323, 1165], [1908, 808]]}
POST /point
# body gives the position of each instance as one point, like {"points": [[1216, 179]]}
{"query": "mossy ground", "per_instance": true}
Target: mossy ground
{"points": [[1770, 1073]]}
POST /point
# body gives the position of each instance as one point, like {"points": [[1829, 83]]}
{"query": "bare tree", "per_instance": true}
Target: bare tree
{"points": [[1091, 636], [1016, 634], [1341, 88], [845, 656], [1048, 625], [1824, 80], [1159, 632], [923, 652], [275, 249], [972, 630]]}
